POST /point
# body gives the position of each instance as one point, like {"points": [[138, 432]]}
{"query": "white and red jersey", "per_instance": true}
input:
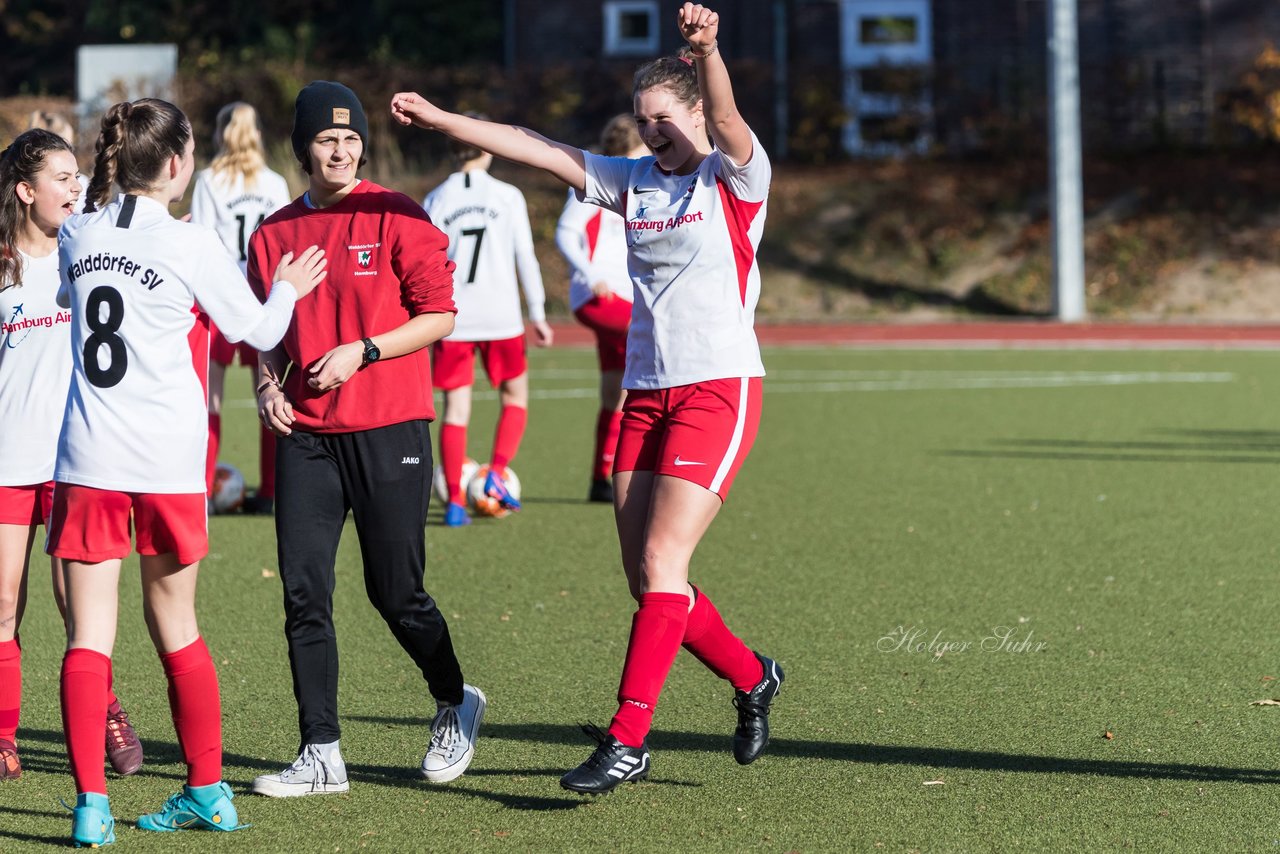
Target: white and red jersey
{"points": [[136, 416], [691, 243], [35, 370], [232, 209], [490, 241], [594, 242]]}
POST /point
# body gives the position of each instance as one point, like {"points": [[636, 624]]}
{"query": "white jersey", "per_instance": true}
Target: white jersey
{"points": [[234, 211], [35, 370], [691, 243], [487, 223], [136, 416], [594, 242]]}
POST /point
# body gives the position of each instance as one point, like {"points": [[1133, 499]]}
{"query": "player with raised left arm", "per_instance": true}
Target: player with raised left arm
{"points": [[694, 217]]}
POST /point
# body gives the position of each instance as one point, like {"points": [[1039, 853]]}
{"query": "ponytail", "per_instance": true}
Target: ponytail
{"points": [[238, 137], [135, 142], [676, 74]]}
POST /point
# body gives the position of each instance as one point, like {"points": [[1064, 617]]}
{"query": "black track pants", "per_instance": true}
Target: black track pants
{"points": [[383, 476]]}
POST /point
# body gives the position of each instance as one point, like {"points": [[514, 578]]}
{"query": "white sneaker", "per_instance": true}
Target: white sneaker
{"points": [[453, 737], [318, 770]]}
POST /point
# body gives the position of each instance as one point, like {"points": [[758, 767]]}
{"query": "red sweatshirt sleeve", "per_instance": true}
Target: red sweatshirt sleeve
{"points": [[420, 260]]}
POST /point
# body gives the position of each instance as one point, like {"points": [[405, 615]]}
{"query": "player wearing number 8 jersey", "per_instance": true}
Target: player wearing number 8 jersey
{"points": [[694, 216], [131, 453], [233, 196]]}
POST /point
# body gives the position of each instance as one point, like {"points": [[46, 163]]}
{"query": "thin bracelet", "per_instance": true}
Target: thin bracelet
{"points": [[264, 386], [715, 46]]}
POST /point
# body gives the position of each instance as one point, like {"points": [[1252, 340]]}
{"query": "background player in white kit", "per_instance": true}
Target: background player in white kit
{"points": [[594, 242], [39, 188], [132, 448], [694, 218], [233, 196], [490, 241]]}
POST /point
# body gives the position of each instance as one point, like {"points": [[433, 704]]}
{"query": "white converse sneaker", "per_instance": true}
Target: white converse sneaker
{"points": [[318, 770], [453, 737]]}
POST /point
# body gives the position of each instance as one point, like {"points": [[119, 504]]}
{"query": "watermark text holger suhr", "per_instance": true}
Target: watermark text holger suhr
{"points": [[918, 640]]}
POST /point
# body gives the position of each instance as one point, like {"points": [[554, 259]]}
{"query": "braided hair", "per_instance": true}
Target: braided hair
{"points": [[135, 141]]}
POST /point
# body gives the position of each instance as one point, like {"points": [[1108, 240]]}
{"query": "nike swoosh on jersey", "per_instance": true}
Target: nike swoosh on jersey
{"points": [[636, 189], [681, 462]]}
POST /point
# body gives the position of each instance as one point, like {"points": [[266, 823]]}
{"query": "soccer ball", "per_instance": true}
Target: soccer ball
{"points": [[228, 489], [484, 505], [469, 467]]}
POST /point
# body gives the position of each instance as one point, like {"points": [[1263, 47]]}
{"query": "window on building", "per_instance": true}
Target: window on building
{"points": [[887, 29], [631, 27]]}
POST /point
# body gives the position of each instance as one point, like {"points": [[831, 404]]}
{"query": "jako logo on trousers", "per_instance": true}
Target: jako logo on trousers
{"points": [[410, 461]]}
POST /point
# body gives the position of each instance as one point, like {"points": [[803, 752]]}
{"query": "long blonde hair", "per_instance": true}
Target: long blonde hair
{"points": [[55, 122], [239, 139]]}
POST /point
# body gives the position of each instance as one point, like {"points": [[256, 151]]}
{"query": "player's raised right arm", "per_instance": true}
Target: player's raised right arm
{"points": [[517, 144]]}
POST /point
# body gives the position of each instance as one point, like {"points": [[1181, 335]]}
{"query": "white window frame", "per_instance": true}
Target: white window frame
{"points": [[857, 57], [614, 43]]}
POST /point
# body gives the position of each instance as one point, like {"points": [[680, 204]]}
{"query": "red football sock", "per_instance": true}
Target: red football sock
{"points": [[607, 423], [211, 453], [10, 688], [197, 711], [506, 439], [85, 677], [656, 630], [708, 638], [453, 450], [266, 463]]}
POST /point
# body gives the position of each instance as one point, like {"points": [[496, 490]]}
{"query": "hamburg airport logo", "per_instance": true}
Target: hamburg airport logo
{"points": [[19, 325], [12, 327], [364, 257]]}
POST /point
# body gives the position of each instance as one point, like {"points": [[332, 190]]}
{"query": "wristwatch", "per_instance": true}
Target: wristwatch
{"points": [[371, 352]]}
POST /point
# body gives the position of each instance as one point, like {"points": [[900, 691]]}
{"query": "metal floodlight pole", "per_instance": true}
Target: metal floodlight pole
{"points": [[1067, 186]]}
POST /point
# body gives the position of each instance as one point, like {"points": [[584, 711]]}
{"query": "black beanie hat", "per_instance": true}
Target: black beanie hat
{"points": [[323, 104]]}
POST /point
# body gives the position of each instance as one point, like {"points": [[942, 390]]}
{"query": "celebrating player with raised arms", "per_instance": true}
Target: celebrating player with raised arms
{"points": [[233, 196], [694, 217], [491, 243], [594, 242], [39, 188], [132, 448]]}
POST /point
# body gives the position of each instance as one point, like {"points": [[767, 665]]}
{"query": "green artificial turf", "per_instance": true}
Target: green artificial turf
{"points": [[1114, 512]]}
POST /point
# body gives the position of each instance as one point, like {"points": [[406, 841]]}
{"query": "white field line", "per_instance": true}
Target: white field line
{"points": [[825, 381], [1171, 345]]}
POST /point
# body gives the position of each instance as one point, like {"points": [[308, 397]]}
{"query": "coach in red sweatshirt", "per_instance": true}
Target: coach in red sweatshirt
{"points": [[348, 393]]}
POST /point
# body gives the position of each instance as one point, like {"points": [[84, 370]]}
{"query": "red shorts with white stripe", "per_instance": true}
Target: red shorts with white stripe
{"points": [[608, 317], [92, 525], [453, 363], [26, 505], [700, 432], [223, 352]]}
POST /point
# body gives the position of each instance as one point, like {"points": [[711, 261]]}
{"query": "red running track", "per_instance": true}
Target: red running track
{"points": [[1011, 334]]}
